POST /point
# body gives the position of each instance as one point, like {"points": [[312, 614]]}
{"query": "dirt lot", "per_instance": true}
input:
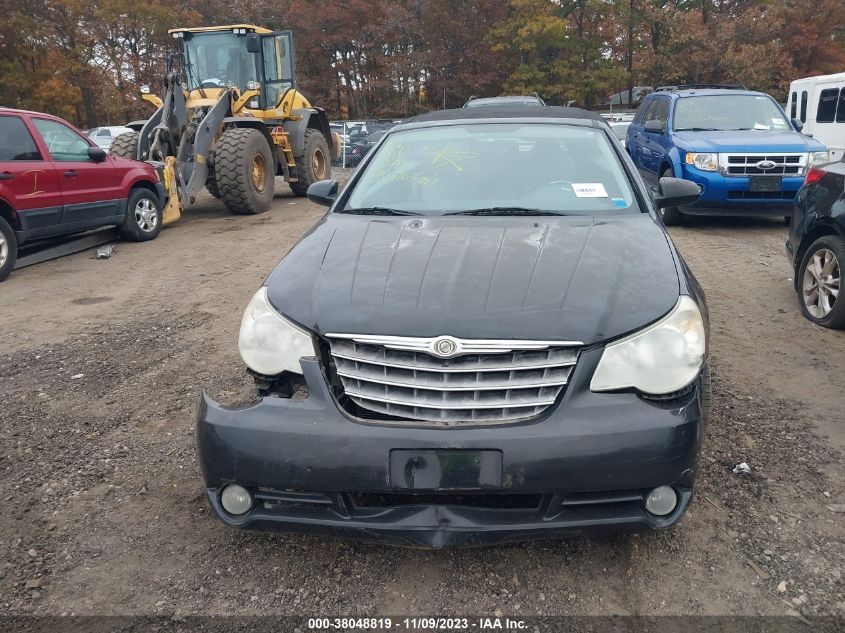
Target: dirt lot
{"points": [[101, 362]]}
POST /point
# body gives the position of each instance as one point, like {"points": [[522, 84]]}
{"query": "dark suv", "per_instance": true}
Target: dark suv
{"points": [[489, 337]]}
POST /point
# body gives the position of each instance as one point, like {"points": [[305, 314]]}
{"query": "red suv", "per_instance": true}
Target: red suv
{"points": [[55, 181]]}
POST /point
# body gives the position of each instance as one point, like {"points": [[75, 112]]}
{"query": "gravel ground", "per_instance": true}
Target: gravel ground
{"points": [[101, 362]]}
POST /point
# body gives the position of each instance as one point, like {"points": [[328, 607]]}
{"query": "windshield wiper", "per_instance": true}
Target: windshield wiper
{"points": [[378, 211], [698, 129], [193, 74], [505, 211]]}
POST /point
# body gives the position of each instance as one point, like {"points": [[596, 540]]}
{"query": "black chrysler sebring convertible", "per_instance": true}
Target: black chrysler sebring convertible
{"points": [[489, 337]]}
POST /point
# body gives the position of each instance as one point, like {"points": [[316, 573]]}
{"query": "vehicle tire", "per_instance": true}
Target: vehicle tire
{"points": [[8, 249], [143, 216], [819, 280], [125, 145], [313, 164], [211, 186], [671, 216], [244, 171]]}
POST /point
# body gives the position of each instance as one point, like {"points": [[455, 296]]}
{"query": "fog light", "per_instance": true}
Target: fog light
{"points": [[236, 500], [661, 501]]}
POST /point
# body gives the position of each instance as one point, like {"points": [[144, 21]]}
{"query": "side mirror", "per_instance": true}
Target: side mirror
{"points": [[676, 192], [253, 43], [323, 192], [97, 154], [655, 127], [798, 125]]}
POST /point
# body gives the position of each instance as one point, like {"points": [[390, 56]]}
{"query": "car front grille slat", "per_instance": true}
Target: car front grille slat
{"points": [[484, 387], [747, 164]]}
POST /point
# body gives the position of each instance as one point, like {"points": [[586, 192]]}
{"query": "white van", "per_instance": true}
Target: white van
{"points": [[819, 103], [104, 136]]}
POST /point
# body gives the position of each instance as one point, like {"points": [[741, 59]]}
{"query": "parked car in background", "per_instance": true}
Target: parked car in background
{"points": [[362, 147], [103, 136], [736, 144], [511, 100], [816, 245], [618, 116], [55, 181], [358, 138], [818, 104], [620, 129], [489, 337]]}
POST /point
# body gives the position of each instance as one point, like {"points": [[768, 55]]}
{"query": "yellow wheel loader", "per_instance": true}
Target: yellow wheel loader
{"points": [[231, 119]]}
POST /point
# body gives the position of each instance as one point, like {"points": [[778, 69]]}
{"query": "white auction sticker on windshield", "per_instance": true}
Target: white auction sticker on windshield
{"points": [[589, 190]]}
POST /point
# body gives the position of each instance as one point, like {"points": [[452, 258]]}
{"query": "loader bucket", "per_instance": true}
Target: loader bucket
{"points": [[173, 209]]}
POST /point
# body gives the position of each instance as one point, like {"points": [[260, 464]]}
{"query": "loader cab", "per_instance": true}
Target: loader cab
{"points": [[244, 57]]}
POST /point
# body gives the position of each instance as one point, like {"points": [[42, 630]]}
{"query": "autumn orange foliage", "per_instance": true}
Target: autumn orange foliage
{"points": [[85, 59]]}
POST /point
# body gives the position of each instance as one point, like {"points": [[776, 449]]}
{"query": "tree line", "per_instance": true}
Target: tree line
{"points": [[86, 59]]}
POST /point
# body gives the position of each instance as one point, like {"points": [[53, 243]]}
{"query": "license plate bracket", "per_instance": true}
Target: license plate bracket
{"points": [[765, 183], [445, 469]]}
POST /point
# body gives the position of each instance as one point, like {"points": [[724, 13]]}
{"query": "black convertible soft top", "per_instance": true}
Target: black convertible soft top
{"points": [[506, 112]]}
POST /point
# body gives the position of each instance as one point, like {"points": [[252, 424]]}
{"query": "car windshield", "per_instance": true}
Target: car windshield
{"points": [[494, 168], [728, 112]]}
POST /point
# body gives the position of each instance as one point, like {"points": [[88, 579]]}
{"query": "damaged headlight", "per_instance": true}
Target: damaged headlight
{"points": [[268, 342], [662, 358]]}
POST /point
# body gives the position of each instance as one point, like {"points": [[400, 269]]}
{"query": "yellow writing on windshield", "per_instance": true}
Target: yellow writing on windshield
{"points": [[423, 173], [451, 156]]}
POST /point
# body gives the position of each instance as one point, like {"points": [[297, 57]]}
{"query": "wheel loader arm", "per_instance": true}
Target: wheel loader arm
{"points": [[169, 131], [192, 157], [145, 134]]}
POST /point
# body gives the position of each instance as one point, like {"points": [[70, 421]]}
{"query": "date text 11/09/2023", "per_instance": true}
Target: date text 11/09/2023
{"points": [[423, 623]]}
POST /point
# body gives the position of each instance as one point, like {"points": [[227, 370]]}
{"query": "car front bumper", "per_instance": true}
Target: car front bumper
{"points": [[587, 464], [732, 195]]}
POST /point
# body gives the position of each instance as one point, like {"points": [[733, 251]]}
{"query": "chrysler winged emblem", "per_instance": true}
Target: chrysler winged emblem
{"points": [[444, 347]]}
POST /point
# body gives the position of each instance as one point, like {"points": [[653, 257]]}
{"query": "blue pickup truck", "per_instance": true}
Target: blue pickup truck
{"points": [[737, 144]]}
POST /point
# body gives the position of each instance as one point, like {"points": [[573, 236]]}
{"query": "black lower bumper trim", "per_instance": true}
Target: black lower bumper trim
{"points": [[419, 523], [775, 209]]}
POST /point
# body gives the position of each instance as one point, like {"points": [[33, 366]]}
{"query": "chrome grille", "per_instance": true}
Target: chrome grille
{"points": [[496, 385], [747, 164]]}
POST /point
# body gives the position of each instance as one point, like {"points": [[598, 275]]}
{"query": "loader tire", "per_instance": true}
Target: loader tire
{"points": [[211, 186], [125, 145], [244, 171], [313, 164]]}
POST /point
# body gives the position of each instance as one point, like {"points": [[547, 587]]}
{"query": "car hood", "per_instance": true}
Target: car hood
{"points": [[748, 141], [569, 278]]}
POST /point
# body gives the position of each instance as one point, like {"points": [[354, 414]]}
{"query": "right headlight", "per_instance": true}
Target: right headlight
{"points": [[268, 342], [662, 358]]}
